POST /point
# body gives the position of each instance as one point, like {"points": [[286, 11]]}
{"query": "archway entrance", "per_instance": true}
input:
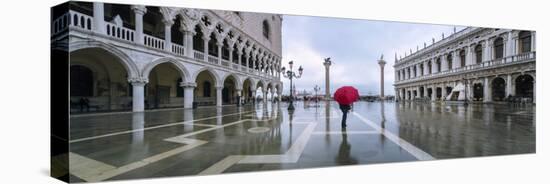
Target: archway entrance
{"points": [[205, 92], [438, 93], [247, 91], [98, 81], [524, 86], [163, 89], [229, 93], [498, 89], [478, 92]]}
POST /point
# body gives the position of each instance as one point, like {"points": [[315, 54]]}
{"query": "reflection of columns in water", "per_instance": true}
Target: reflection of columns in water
{"points": [[138, 122], [219, 116], [461, 112], [327, 120], [188, 116]]}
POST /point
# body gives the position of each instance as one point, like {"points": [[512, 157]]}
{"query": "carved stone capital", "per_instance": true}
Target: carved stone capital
{"points": [[138, 81]]}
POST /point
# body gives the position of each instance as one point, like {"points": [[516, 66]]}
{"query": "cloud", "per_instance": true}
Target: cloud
{"points": [[354, 47]]}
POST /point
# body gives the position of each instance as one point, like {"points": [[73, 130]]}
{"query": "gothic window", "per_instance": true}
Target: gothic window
{"points": [[479, 53], [82, 81], [225, 50], [266, 29], [499, 48], [198, 43], [525, 41], [212, 46]]}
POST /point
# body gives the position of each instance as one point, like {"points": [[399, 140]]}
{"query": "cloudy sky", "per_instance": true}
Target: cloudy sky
{"points": [[354, 47]]}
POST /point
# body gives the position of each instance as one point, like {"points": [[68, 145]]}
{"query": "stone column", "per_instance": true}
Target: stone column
{"points": [[220, 45], [470, 60], [205, 39], [254, 96], [188, 41], [138, 94], [168, 35], [509, 90], [239, 96], [239, 57], [488, 50], [247, 62], [99, 15], [139, 11], [381, 62], [456, 59], [264, 95], [509, 45], [444, 63], [327, 64], [434, 92], [486, 90], [188, 89], [219, 96], [444, 92], [426, 67], [231, 57]]}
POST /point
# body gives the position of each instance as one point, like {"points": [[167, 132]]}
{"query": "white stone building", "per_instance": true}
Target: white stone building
{"points": [[474, 64], [141, 57]]}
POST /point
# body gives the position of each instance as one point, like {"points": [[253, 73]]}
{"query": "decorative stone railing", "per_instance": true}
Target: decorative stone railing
{"points": [[153, 42], [198, 55], [212, 59], [492, 63], [85, 22], [178, 49], [73, 19], [119, 32], [225, 63]]}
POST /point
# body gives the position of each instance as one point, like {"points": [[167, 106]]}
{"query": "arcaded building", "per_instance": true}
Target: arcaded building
{"points": [[474, 64], [139, 57]]}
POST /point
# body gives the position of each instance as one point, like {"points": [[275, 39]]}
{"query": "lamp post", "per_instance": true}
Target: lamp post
{"points": [[316, 88], [290, 75]]}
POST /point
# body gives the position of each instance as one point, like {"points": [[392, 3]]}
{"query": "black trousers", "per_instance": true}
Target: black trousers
{"points": [[345, 109]]}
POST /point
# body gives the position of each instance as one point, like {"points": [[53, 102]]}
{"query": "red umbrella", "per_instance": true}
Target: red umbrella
{"points": [[346, 95]]}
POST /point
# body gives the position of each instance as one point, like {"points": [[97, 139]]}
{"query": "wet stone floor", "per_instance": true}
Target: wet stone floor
{"points": [[259, 137]]}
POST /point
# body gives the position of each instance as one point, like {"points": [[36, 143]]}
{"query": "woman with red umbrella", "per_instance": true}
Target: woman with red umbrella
{"points": [[345, 96]]}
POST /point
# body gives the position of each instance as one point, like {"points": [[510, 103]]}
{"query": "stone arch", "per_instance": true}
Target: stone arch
{"points": [[184, 73], [238, 81], [127, 62], [260, 83], [498, 88], [210, 70]]}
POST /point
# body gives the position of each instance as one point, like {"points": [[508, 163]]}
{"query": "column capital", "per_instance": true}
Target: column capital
{"points": [[167, 22], [188, 84], [138, 81], [139, 9], [219, 87]]}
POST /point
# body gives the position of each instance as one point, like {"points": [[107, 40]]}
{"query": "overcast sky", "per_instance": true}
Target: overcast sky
{"points": [[354, 46]]}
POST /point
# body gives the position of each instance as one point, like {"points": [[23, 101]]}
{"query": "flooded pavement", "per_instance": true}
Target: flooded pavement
{"points": [[267, 137]]}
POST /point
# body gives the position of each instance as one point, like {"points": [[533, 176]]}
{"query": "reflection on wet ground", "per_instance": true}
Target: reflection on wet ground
{"points": [[267, 137]]}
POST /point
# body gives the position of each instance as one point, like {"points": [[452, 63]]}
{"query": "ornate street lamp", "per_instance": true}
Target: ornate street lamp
{"points": [[290, 75]]}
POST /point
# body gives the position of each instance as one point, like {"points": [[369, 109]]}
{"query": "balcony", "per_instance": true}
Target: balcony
{"points": [[82, 23], [519, 58]]}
